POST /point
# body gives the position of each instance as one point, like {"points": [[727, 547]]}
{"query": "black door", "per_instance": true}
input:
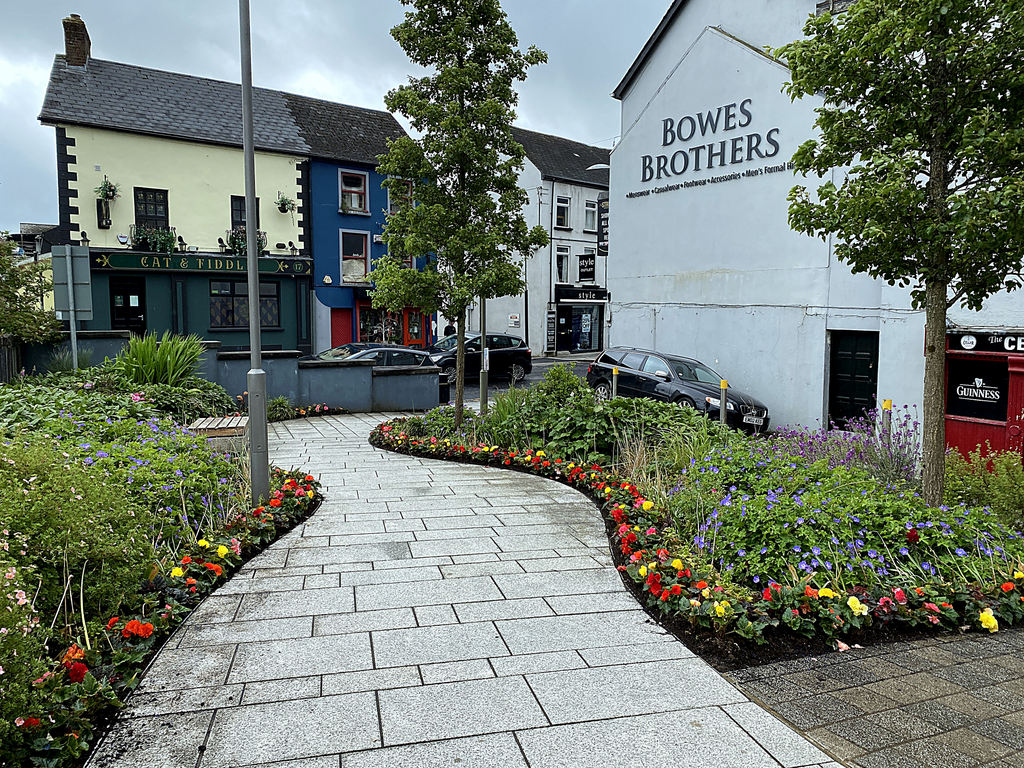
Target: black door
{"points": [[564, 328], [128, 304], [853, 375], [649, 382]]}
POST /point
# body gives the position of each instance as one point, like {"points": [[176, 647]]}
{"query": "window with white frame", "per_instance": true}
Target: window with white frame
{"points": [[562, 212], [352, 191], [399, 194], [355, 256], [562, 253], [590, 216]]}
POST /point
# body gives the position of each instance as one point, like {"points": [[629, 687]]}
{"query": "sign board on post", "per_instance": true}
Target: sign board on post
{"points": [[513, 321], [81, 279], [549, 344]]}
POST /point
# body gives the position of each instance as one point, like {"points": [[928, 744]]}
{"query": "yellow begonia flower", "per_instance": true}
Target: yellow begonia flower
{"points": [[1018, 575], [608, 489], [677, 564], [719, 609], [222, 550], [541, 453], [695, 602], [648, 506], [988, 621], [203, 543], [309, 494], [643, 571], [858, 608], [177, 573], [706, 592], [826, 592]]}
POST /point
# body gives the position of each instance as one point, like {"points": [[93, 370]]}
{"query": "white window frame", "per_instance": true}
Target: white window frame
{"points": [[342, 172], [563, 201], [341, 255], [590, 208], [563, 276], [388, 190]]}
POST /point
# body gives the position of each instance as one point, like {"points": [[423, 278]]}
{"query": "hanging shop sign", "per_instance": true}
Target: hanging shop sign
{"points": [[588, 268], [602, 224], [977, 388], [195, 263]]}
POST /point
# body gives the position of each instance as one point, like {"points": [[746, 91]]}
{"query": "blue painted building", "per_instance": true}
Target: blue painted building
{"points": [[349, 205]]}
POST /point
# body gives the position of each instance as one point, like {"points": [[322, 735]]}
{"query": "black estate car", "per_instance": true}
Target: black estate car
{"points": [[674, 379], [509, 356]]}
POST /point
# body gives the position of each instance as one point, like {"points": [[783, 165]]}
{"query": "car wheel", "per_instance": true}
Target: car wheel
{"points": [[602, 391], [685, 402], [449, 373], [516, 372]]}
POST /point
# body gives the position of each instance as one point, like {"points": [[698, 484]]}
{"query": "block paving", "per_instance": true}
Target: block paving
{"points": [[440, 614], [947, 702]]}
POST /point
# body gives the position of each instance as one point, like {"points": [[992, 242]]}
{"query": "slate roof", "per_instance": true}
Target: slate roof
{"points": [[125, 97], [563, 159], [832, 6]]}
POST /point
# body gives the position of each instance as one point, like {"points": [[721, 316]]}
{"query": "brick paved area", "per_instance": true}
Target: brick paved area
{"points": [[954, 702], [434, 614]]}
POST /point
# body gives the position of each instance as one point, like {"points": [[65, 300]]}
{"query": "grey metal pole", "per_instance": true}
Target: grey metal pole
{"points": [[256, 379], [485, 361], [71, 306]]}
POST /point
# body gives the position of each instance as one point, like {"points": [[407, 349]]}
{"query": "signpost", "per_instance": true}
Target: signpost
{"points": [[72, 288]]}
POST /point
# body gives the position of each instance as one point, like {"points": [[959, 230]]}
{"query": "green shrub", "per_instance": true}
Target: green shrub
{"points": [[995, 480], [194, 398], [62, 360], [80, 528], [168, 360], [280, 409], [26, 405]]}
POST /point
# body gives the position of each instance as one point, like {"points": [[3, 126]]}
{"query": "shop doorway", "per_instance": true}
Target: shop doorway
{"points": [[853, 375], [128, 304], [579, 327]]}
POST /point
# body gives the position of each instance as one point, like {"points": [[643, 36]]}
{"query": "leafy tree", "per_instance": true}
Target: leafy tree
{"points": [[924, 108], [21, 286], [468, 211]]}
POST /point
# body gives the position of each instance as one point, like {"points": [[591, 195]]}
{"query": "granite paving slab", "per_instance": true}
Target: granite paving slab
{"points": [[436, 614]]}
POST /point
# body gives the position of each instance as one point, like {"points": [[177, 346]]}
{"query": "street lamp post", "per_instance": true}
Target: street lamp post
{"points": [[256, 379]]}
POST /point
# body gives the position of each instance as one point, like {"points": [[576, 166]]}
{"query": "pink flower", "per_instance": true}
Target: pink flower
{"points": [[901, 596], [651, 531], [932, 607], [236, 547]]}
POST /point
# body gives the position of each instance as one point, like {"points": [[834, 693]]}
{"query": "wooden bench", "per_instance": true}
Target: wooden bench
{"points": [[221, 426]]}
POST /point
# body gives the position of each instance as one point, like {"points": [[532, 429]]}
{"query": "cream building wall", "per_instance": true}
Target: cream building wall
{"points": [[199, 178]]}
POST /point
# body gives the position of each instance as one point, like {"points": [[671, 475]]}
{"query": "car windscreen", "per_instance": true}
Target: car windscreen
{"points": [[694, 371], [447, 344]]}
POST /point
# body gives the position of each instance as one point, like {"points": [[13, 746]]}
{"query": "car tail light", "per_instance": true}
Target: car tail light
{"points": [[529, 352], [589, 369]]}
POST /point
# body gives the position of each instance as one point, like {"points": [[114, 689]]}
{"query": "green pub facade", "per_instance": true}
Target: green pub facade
{"points": [[201, 293]]}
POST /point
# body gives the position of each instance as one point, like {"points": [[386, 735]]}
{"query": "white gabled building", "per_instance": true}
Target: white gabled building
{"points": [[564, 307], [707, 266]]}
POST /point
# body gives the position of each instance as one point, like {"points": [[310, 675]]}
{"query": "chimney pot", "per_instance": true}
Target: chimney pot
{"points": [[77, 46]]}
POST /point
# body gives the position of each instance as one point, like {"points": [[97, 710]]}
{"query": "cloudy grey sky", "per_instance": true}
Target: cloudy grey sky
{"points": [[332, 49]]}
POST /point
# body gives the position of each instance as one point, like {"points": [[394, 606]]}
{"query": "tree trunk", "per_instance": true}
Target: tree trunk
{"points": [[934, 435], [460, 367]]}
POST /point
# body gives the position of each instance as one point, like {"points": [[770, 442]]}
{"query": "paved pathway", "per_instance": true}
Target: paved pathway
{"points": [[435, 614], [945, 702]]}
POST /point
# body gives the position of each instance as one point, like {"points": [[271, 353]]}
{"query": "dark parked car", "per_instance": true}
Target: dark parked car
{"points": [[380, 354], [682, 380], [509, 356]]}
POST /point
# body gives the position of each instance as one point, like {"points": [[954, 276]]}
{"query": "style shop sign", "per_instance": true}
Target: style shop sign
{"points": [[691, 143]]}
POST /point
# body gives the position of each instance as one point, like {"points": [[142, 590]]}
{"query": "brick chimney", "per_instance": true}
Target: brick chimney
{"points": [[77, 45]]}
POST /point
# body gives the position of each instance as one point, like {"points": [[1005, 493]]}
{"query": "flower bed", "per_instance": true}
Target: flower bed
{"points": [[696, 583], [113, 530]]}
